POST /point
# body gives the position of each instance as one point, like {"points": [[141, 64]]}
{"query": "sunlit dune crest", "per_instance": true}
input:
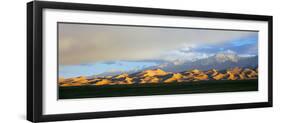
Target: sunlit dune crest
{"points": [[195, 71], [175, 77], [231, 76], [81, 79], [61, 79], [151, 73], [212, 72], [161, 76], [149, 80], [219, 76], [77, 81], [121, 76], [129, 80], [201, 77], [103, 82], [250, 73], [235, 70]]}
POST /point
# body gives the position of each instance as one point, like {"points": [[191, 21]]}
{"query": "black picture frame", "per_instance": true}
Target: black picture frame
{"points": [[35, 60]]}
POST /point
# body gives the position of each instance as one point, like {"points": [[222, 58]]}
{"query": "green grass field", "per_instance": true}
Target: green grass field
{"points": [[157, 89]]}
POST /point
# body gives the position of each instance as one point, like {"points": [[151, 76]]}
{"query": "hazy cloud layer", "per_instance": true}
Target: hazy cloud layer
{"points": [[81, 43]]}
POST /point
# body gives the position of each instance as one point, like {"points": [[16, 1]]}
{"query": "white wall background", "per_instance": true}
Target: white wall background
{"points": [[13, 61]]}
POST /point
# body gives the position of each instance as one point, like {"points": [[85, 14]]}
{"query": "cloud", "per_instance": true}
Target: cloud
{"points": [[243, 46], [229, 52], [184, 54], [81, 43]]}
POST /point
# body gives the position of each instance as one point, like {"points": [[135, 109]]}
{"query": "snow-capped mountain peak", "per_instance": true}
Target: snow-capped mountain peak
{"points": [[226, 56]]}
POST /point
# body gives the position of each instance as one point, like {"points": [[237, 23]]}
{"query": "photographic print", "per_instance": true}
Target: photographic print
{"points": [[87, 61], [99, 60]]}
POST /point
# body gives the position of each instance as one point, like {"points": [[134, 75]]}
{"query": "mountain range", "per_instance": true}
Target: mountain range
{"points": [[219, 61], [161, 76]]}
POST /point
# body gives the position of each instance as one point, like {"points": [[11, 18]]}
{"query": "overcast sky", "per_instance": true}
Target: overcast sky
{"points": [[82, 43]]}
